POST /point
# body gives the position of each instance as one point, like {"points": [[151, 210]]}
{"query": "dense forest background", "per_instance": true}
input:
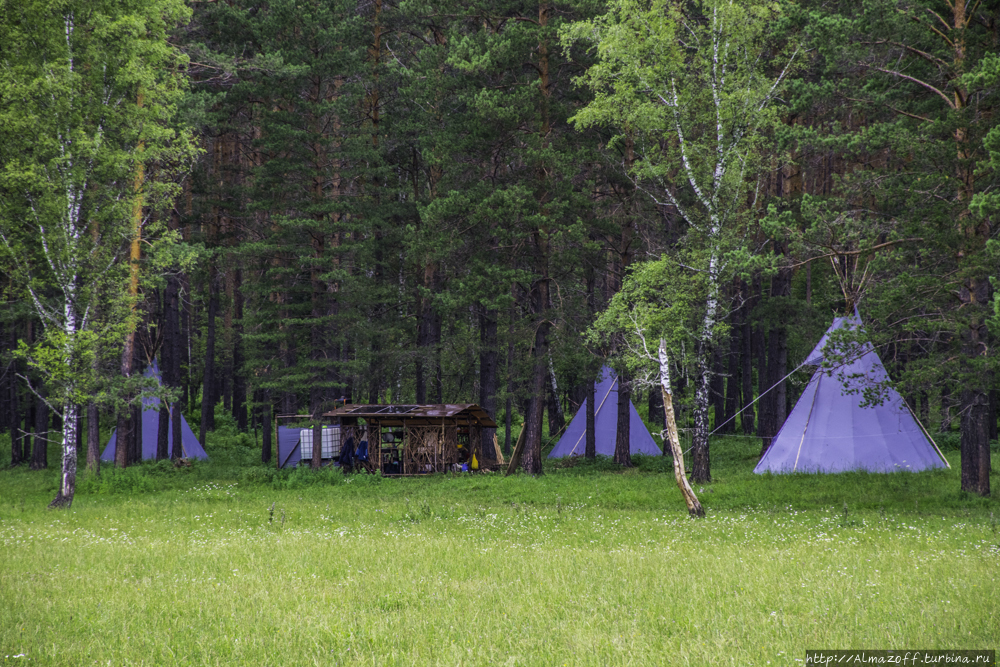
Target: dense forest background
{"points": [[291, 203]]}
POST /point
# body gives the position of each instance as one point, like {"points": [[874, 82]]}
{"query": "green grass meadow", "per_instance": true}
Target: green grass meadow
{"points": [[229, 563]]}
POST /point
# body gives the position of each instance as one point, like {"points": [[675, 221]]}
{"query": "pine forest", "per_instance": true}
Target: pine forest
{"points": [[291, 205]]}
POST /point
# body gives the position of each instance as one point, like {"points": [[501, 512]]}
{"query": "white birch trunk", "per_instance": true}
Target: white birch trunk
{"points": [[701, 467], [67, 485]]}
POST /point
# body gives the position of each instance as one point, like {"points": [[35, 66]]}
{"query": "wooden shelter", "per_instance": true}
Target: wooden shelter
{"points": [[414, 439]]}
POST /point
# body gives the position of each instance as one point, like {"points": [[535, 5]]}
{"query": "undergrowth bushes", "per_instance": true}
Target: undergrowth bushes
{"points": [[303, 477], [149, 476]]}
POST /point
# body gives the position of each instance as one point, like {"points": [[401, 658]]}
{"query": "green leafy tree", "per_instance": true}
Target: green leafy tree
{"points": [[87, 147], [694, 87], [305, 100], [653, 314], [540, 173]]}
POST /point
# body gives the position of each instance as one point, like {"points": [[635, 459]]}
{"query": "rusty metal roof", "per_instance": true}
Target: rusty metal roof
{"points": [[405, 412]]}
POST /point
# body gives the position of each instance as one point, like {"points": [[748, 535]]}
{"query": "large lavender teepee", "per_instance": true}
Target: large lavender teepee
{"points": [[150, 429], [574, 440], [829, 431]]}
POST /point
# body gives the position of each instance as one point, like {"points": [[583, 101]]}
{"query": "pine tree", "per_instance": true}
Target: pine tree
{"points": [[914, 122]]}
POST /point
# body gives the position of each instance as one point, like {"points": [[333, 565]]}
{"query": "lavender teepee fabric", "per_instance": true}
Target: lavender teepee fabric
{"points": [[150, 429], [829, 431], [574, 440]]}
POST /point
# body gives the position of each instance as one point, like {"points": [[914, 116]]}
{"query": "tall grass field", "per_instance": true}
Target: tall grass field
{"points": [[228, 563]]}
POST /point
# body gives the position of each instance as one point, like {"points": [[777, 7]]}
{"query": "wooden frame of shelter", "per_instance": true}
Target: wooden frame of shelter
{"points": [[414, 439]]}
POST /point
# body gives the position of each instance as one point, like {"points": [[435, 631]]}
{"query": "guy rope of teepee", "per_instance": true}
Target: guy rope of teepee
{"points": [[763, 393], [760, 396]]}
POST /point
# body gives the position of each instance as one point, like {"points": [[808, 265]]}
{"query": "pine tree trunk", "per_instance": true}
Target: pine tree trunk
{"points": [[623, 450], [777, 357], [128, 429], [769, 401], [289, 405], [424, 338], [207, 394], [539, 292], [239, 378], [734, 381], [123, 437], [80, 452], [177, 380], [654, 403], [318, 350], [225, 376], [764, 408], [316, 392], [992, 420], [428, 333], [6, 415], [974, 399], [781, 391], [945, 408], [135, 448], [507, 424], [975, 431], [162, 433], [17, 453], [532, 457], [718, 390], [773, 402], [552, 410], [93, 438], [438, 369], [166, 375], [187, 312], [746, 363], [488, 380], [509, 407], [317, 435], [266, 410]]}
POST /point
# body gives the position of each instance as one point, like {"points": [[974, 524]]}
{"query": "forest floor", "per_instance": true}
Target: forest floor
{"points": [[233, 563]]}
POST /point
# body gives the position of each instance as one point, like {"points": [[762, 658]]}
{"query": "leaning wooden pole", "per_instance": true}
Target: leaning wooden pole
{"points": [[515, 458], [694, 507]]}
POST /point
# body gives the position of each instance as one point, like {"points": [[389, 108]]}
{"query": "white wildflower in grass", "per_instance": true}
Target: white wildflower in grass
{"points": [[477, 570]]}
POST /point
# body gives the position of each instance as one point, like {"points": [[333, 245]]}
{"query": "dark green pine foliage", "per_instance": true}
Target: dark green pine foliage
{"points": [[483, 176], [893, 101], [312, 263], [459, 268], [533, 169]]}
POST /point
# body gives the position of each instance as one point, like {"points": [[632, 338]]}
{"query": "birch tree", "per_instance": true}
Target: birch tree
{"points": [[652, 316], [73, 133], [696, 85]]}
